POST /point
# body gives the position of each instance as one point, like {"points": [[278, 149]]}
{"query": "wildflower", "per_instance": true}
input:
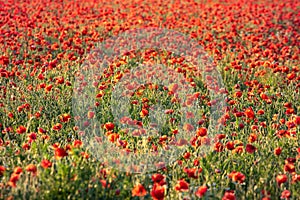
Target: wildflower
{"points": [[281, 178], [201, 191], [31, 168], [157, 192], [218, 147], [32, 137], [230, 145], [57, 127], [237, 177], [252, 138], [249, 113], [65, 117], [289, 167], [77, 143], [250, 148], [229, 195], [144, 112], [21, 129], [158, 178], [139, 191], [201, 132], [13, 180], [60, 153], [18, 170], [46, 163], [277, 151], [91, 114], [182, 186], [286, 194], [2, 170], [109, 126]]}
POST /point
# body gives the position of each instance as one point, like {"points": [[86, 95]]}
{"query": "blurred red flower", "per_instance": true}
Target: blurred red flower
{"points": [[158, 192], [237, 177], [159, 179], [139, 191], [182, 186], [109, 126], [65, 117], [201, 191], [277, 151], [32, 168], [57, 127], [21, 129], [2, 170], [249, 113], [60, 153], [46, 163], [250, 148], [201, 132], [281, 178], [229, 195], [286, 194]]}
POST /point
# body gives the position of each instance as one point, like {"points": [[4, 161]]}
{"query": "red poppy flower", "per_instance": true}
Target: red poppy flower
{"points": [[252, 138], [158, 178], [32, 137], [238, 94], [250, 148], [230, 145], [249, 113], [113, 137], [41, 130], [186, 155], [182, 186], [158, 192], [21, 129], [192, 172], [218, 147], [295, 178], [18, 170], [188, 127], [229, 195], [77, 143], [196, 162], [57, 127], [65, 117], [266, 198], [286, 194], [139, 191], [104, 184], [201, 191], [10, 115], [260, 112], [13, 180], [297, 120], [277, 151], [2, 170], [237, 177], [144, 112], [289, 111], [31, 168], [60, 153], [109, 126], [48, 88], [281, 178], [46, 163], [289, 167], [201, 131]]}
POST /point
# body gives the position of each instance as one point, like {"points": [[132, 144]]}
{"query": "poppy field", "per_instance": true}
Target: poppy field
{"points": [[156, 99]]}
